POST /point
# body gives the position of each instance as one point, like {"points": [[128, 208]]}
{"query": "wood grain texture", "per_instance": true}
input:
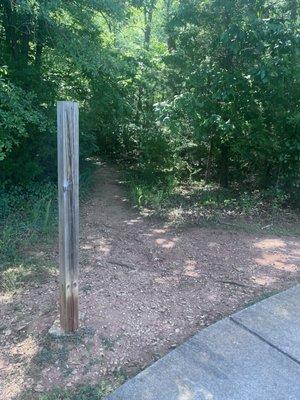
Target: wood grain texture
{"points": [[68, 199]]}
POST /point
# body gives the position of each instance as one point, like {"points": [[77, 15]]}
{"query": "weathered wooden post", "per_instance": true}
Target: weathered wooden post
{"points": [[68, 199]]}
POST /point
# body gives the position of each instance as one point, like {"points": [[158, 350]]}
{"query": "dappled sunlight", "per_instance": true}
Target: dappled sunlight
{"points": [[166, 243], [206, 395], [122, 198], [156, 232], [159, 231], [102, 246], [264, 280], [133, 221], [190, 269], [159, 283], [168, 280], [274, 254], [184, 392], [6, 297], [278, 261], [86, 247], [22, 353], [26, 349], [191, 391], [175, 214], [295, 252], [213, 245], [270, 244], [282, 312], [190, 217], [97, 162]]}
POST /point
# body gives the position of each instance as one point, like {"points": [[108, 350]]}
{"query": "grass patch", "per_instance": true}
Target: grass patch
{"points": [[29, 217], [86, 392], [150, 192], [56, 351], [108, 343], [13, 277]]}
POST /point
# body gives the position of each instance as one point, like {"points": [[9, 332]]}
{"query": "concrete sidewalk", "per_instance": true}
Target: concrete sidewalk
{"points": [[252, 355]]}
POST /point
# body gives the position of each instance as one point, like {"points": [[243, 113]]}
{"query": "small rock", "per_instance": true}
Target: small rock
{"points": [[56, 330], [39, 388], [22, 327]]}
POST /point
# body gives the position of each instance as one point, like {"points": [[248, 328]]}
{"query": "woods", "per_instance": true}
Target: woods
{"points": [[187, 176], [179, 88], [175, 90]]}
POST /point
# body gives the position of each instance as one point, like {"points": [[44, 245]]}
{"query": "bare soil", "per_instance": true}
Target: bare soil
{"points": [[145, 287]]}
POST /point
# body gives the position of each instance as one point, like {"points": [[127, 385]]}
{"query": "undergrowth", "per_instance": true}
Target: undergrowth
{"points": [[87, 392], [29, 215], [147, 190], [209, 203]]}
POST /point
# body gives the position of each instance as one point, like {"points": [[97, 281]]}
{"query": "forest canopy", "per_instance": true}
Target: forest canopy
{"points": [[173, 89]]}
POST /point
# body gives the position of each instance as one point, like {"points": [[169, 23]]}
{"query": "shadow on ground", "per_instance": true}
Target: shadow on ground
{"points": [[145, 288]]}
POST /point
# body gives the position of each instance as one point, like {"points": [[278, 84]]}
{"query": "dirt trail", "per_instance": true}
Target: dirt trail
{"points": [[145, 287]]}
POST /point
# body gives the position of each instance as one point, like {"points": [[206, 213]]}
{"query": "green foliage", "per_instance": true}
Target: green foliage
{"points": [[17, 275], [28, 214], [213, 96], [175, 90], [237, 91], [51, 50], [86, 392], [17, 116]]}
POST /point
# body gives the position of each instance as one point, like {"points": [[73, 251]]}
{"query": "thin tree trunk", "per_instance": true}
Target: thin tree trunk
{"points": [[294, 10], [148, 16], [39, 45], [224, 166], [9, 28], [170, 39], [209, 161], [24, 46]]}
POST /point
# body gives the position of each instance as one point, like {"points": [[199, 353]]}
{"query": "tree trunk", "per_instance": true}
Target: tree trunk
{"points": [[170, 39], [24, 45], [39, 45], [148, 16], [209, 160], [224, 166], [10, 32]]}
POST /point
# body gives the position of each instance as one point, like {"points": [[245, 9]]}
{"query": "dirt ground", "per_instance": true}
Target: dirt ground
{"points": [[145, 288]]}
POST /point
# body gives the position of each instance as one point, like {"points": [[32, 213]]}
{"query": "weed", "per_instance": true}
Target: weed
{"points": [[120, 375], [93, 361], [86, 392], [53, 352], [149, 193], [28, 215], [15, 275], [87, 288], [108, 343], [45, 356], [198, 201]]}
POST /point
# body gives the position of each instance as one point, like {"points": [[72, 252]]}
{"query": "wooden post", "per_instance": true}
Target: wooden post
{"points": [[68, 199]]}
